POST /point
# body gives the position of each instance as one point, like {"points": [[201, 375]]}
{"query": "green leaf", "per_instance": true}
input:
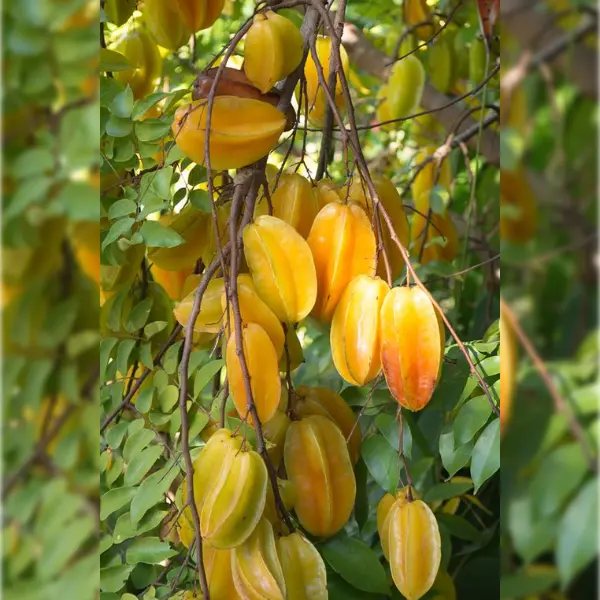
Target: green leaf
{"points": [[137, 442], [157, 235], [459, 527], [117, 230], [124, 530], [486, 454], [168, 398], [388, 426], [152, 491], [145, 399], [122, 104], [123, 353], [445, 491], [115, 499], [148, 550], [200, 199], [205, 375], [549, 492], [32, 190], [122, 208], [356, 563], [151, 130], [113, 61], [453, 458], [33, 162], [527, 583], [118, 127], [382, 461], [439, 199], [141, 463], [472, 416], [112, 579], [139, 314], [116, 433], [578, 534], [143, 104]]}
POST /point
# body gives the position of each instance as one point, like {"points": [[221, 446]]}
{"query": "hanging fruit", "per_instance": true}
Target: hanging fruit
{"points": [[317, 101], [414, 548], [142, 53], [199, 14], [262, 363], [318, 464], [518, 207], [242, 130], [412, 346], [282, 267], [343, 246], [165, 24], [355, 330], [272, 50], [327, 403], [405, 87]]}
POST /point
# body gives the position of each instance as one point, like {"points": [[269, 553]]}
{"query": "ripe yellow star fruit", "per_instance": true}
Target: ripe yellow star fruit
{"points": [[405, 87], [141, 51], [355, 330], [171, 281], [192, 225], [262, 363], [254, 310], [231, 502], [274, 431], [303, 568], [210, 317], [384, 510], [327, 403], [415, 548], [412, 346], [256, 568], [293, 201], [416, 12], [282, 267], [242, 130], [343, 246], [273, 48], [326, 191], [317, 101], [318, 464], [165, 24]]}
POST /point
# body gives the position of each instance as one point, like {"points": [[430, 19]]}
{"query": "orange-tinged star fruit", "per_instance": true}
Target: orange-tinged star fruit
{"points": [[199, 14], [508, 368], [293, 201], [254, 310], [412, 346], [317, 462], [518, 207], [416, 12], [327, 403], [303, 568], [262, 363], [141, 51], [257, 572], [210, 317], [392, 203], [171, 281], [355, 330], [85, 241], [242, 131], [415, 548], [343, 246], [282, 267]]}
